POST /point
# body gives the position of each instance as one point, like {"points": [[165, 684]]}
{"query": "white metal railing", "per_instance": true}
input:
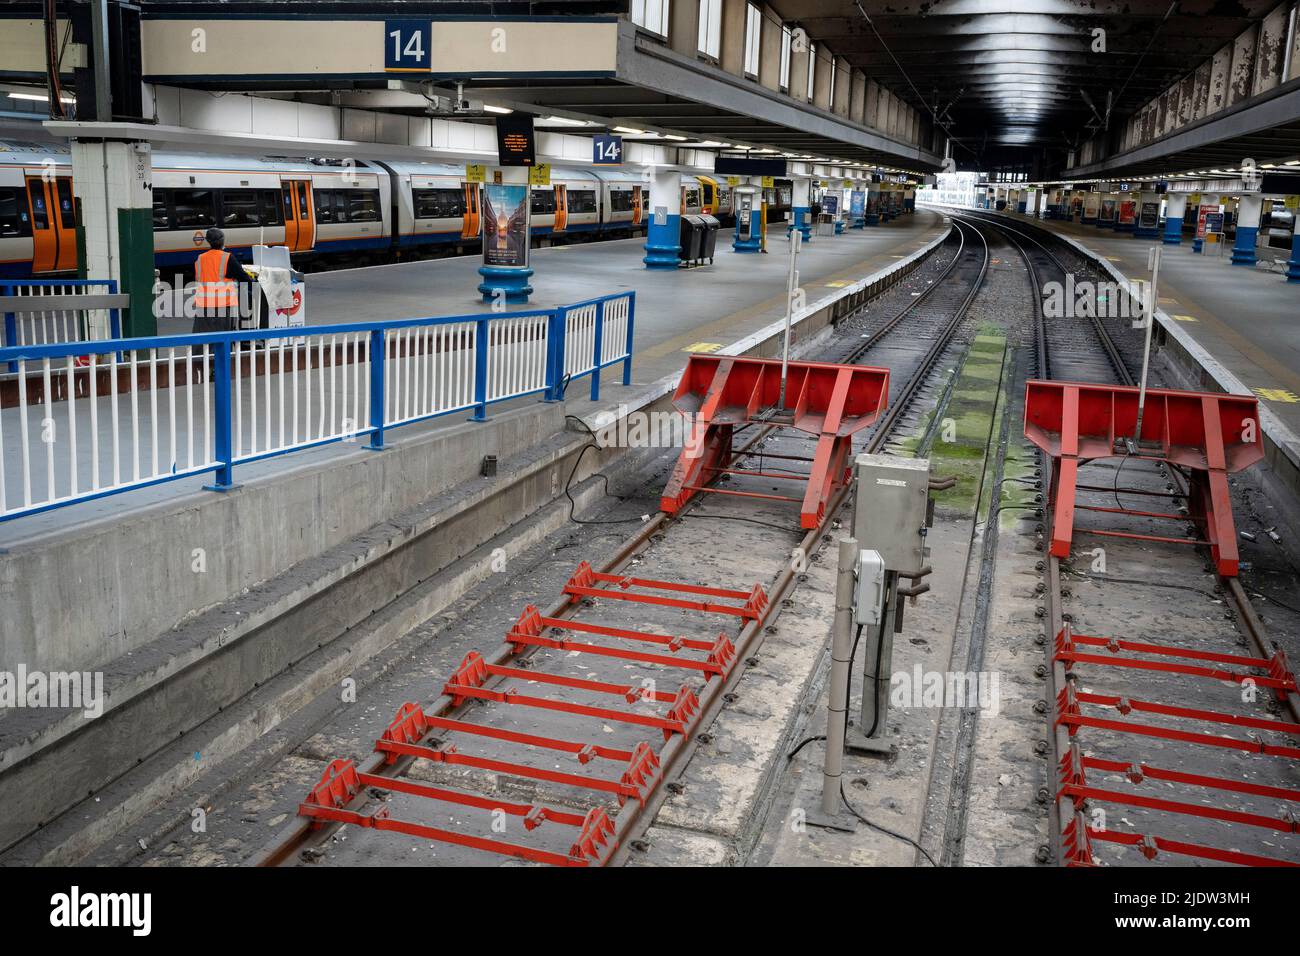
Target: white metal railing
{"points": [[86, 419]]}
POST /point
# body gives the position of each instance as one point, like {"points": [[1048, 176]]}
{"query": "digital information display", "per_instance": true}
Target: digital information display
{"points": [[515, 141]]}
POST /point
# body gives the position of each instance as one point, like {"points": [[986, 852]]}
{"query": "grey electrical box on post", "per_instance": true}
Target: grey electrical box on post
{"points": [[892, 509]]}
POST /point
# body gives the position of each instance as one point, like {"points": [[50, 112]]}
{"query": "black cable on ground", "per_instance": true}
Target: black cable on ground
{"points": [[885, 830], [568, 485]]}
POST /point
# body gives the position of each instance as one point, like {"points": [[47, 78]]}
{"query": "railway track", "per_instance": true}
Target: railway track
{"points": [[560, 746], [1168, 749]]}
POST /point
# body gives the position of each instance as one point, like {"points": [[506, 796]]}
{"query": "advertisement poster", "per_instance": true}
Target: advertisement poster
{"points": [[505, 224], [858, 203], [1150, 215], [831, 204], [1107, 210], [1127, 211]]}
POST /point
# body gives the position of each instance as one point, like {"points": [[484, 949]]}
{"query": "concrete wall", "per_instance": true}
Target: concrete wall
{"points": [[81, 599]]}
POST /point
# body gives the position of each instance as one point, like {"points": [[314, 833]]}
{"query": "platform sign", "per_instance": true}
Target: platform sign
{"points": [[540, 175], [407, 46], [475, 173], [769, 182], [1193, 199], [515, 141], [733, 181], [606, 150], [1292, 202]]}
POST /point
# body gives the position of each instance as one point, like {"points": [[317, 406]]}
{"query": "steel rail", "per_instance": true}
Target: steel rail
{"points": [[1253, 627], [303, 834]]}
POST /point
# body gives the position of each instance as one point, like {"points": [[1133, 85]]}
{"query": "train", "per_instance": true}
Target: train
{"points": [[326, 211]]}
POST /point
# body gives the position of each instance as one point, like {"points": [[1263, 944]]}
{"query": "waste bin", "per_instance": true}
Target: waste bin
{"points": [[709, 241], [692, 235]]}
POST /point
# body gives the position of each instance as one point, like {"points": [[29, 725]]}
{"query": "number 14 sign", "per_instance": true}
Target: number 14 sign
{"points": [[607, 150], [406, 46]]}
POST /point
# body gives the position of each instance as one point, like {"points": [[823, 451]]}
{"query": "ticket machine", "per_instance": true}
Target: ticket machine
{"points": [[746, 202]]}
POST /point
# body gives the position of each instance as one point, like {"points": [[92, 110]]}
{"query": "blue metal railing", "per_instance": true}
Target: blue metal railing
{"points": [[171, 407]]}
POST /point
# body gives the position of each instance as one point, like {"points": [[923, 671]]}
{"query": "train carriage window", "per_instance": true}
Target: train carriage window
{"points": [[692, 198], [439, 203], [363, 205], [287, 192], [14, 220], [161, 213], [239, 207], [620, 200], [270, 204], [324, 205], [543, 202], [582, 201], [708, 193], [194, 209], [67, 209]]}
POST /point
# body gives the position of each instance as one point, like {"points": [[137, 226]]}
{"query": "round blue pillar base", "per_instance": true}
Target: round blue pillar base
{"points": [[839, 227], [1293, 265], [662, 244], [1173, 231], [505, 281], [859, 223], [802, 220], [747, 245], [1021, 207]]}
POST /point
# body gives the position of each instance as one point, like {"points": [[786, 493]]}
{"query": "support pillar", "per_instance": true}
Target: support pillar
{"points": [[505, 269], [113, 184], [873, 205], [801, 208], [1174, 211], [663, 237], [1293, 264], [1248, 210]]}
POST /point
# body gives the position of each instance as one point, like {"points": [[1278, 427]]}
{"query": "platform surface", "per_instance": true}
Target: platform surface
{"points": [[677, 312]]}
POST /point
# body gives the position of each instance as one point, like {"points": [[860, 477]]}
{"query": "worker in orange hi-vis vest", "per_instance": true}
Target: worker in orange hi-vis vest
{"points": [[218, 274]]}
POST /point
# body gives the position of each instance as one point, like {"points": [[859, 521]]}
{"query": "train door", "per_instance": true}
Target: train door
{"points": [[637, 206], [45, 238], [306, 217], [65, 224], [290, 215], [561, 208], [470, 225]]}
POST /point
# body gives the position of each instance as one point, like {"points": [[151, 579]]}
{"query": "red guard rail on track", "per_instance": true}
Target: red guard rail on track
{"points": [[1208, 435], [1112, 715], [822, 399], [344, 791]]}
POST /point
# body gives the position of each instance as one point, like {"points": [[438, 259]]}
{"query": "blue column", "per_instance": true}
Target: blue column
{"points": [[1243, 250], [801, 217], [663, 243], [1173, 231], [1248, 214], [663, 239], [1293, 264], [1022, 206]]}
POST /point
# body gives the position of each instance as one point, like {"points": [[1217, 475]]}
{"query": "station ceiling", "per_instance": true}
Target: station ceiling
{"points": [[1011, 72]]}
